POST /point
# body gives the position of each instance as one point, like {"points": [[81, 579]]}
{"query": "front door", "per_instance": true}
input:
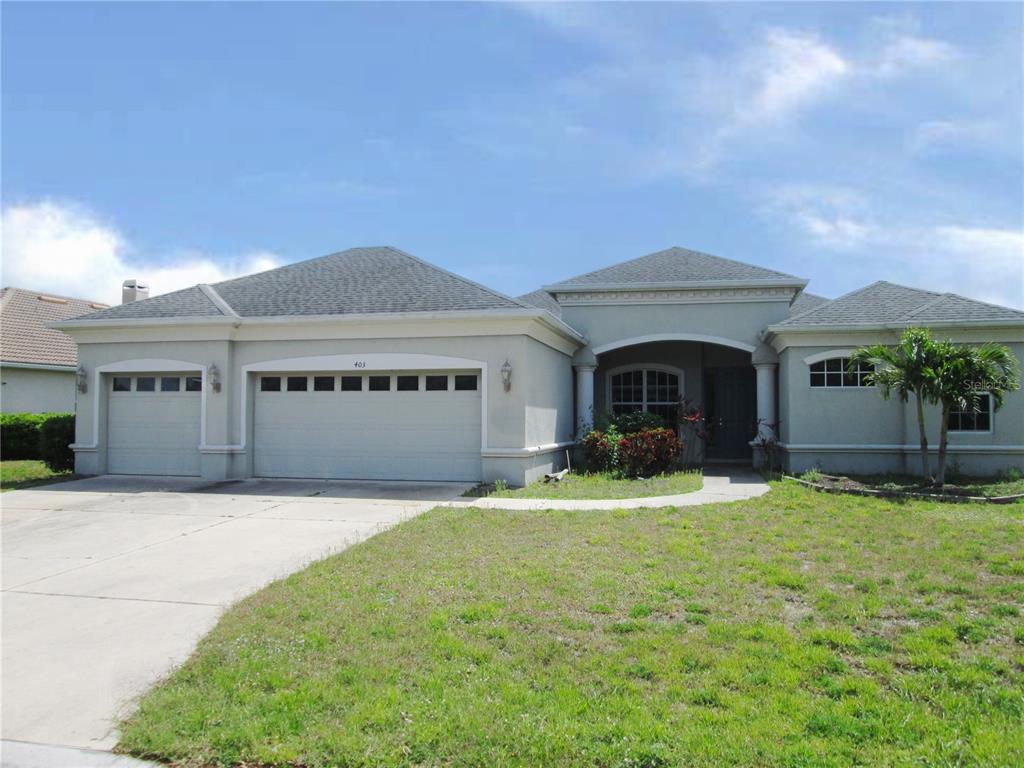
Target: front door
{"points": [[730, 398]]}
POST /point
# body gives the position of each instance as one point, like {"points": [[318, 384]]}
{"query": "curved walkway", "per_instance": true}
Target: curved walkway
{"points": [[720, 484]]}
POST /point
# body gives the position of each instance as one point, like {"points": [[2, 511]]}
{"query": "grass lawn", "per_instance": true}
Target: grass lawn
{"points": [[601, 486], [796, 629], [26, 473]]}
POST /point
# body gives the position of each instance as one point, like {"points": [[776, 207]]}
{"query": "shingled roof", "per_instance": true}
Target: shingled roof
{"points": [[673, 266], [804, 302], [543, 300], [356, 281], [884, 303], [24, 337]]}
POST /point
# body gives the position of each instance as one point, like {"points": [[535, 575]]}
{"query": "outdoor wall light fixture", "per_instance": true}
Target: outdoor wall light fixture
{"points": [[506, 375], [214, 375], [82, 379]]}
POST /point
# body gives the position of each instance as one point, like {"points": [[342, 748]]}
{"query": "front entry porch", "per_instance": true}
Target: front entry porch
{"points": [[734, 387]]}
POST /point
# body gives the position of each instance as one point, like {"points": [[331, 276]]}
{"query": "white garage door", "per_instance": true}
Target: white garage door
{"points": [[403, 425], [153, 424]]}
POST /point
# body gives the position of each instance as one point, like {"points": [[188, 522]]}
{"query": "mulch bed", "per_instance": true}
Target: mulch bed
{"points": [[843, 484]]}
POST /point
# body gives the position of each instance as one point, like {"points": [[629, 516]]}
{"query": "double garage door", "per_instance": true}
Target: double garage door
{"points": [[404, 425], [399, 425]]}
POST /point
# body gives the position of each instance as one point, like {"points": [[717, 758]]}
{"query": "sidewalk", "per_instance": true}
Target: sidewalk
{"points": [[720, 484]]}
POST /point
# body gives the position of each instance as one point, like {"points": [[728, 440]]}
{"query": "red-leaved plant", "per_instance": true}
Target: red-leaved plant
{"points": [[647, 453]]}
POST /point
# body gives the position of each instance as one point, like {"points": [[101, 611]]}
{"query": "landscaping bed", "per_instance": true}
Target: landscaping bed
{"points": [[1005, 489], [598, 485], [796, 628]]}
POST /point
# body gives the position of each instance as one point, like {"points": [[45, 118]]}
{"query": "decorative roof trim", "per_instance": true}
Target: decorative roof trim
{"points": [[38, 366], [794, 282], [897, 325], [731, 294]]}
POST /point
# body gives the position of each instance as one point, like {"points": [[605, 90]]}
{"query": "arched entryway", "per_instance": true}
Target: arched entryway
{"points": [[732, 381]]}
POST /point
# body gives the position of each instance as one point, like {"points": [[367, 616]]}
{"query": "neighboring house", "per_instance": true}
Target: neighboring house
{"points": [[371, 363], [37, 363]]}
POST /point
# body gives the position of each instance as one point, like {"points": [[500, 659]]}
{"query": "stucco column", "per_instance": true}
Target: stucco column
{"points": [[765, 400], [584, 398]]}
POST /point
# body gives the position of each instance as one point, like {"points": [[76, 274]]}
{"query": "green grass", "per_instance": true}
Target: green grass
{"points": [[605, 486], [968, 486], [796, 629], [26, 473]]}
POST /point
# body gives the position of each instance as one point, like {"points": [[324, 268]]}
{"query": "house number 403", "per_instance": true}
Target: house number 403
{"points": [[360, 364]]}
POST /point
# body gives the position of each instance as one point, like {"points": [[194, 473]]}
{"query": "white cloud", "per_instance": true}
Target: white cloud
{"points": [[63, 248], [983, 262], [939, 134]]}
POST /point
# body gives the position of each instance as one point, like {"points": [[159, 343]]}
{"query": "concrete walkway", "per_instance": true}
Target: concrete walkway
{"points": [[720, 484]]}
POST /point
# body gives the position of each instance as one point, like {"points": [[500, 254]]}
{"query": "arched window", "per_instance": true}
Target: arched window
{"points": [[645, 389]]}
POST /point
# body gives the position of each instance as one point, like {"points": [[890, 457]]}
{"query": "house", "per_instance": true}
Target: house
{"points": [[37, 363], [371, 363]]}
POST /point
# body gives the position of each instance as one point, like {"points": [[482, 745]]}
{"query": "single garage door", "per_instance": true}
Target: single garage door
{"points": [[153, 424], [403, 425]]}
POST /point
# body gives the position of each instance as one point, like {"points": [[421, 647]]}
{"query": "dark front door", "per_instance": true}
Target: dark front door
{"points": [[730, 398]]}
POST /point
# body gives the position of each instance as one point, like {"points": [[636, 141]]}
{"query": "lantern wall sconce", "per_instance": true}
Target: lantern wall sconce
{"points": [[214, 374], [506, 375], [82, 380]]}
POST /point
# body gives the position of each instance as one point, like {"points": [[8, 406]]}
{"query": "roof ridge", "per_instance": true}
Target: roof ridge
{"points": [[497, 294], [846, 295], [218, 300], [812, 309], [10, 290], [926, 305]]}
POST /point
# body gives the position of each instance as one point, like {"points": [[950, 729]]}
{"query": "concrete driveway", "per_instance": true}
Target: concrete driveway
{"points": [[109, 582]]}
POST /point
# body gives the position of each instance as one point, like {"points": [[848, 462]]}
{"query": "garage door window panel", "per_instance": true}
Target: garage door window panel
{"points": [[298, 383], [193, 383], [351, 383], [122, 384], [465, 382], [436, 383], [270, 384], [323, 383], [145, 384], [407, 383], [170, 383], [380, 383]]}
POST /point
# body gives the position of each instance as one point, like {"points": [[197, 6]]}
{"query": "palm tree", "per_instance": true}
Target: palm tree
{"points": [[963, 375], [909, 368]]}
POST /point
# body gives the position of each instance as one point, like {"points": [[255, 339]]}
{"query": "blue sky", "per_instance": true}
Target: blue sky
{"points": [[514, 144]]}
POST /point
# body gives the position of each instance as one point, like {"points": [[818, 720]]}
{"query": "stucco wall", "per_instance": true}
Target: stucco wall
{"points": [[548, 396], [739, 321], [862, 417], [26, 390]]}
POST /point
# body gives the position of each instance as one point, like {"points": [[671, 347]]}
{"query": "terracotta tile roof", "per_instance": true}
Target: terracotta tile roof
{"points": [[24, 337]]}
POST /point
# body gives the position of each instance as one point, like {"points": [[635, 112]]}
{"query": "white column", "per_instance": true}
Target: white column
{"points": [[584, 398], [765, 400]]}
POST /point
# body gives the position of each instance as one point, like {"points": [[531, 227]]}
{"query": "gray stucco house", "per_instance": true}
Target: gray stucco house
{"points": [[371, 363]]}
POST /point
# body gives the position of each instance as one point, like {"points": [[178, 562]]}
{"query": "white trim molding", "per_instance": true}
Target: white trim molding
{"points": [[653, 294], [39, 367], [141, 365], [371, 361], [518, 453], [893, 448], [817, 357], [652, 337]]}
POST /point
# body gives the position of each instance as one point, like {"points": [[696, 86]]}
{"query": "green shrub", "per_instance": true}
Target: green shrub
{"points": [[20, 434], [625, 423], [55, 435], [648, 453]]}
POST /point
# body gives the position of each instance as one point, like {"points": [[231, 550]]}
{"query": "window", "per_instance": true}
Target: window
{"points": [[323, 383], [193, 383], [408, 383], [465, 382], [833, 373], [122, 384], [351, 383], [380, 383], [436, 383], [645, 389], [170, 384], [270, 384], [145, 384], [977, 419], [298, 383]]}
